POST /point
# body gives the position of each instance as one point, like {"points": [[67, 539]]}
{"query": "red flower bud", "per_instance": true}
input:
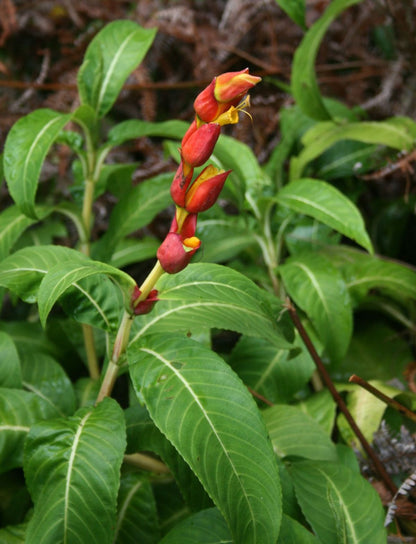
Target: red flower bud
{"points": [[206, 106], [198, 147], [188, 227], [179, 185], [231, 86], [146, 305], [175, 252], [205, 190]]}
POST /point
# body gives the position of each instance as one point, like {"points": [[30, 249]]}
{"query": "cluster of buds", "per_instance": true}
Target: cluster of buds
{"points": [[217, 105]]}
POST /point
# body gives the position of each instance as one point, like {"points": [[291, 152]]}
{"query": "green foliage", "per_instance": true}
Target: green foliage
{"points": [[218, 431]]}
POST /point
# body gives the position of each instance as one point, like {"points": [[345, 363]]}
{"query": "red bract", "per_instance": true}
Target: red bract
{"points": [[205, 190], [206, 106], [175, 252], [180, 185], [230, 87], [144, 306], [199, 146]]}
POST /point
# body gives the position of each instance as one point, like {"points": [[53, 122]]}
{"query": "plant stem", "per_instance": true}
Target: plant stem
{"points": [[384, 398], [149, 282], [89, 344], [87, 213], [338, 399], [146, 462]]}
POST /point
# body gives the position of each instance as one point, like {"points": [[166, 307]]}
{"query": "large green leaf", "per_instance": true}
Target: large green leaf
{"points": [[304, 83], [10, 371], [294, 433], [110, 58], [211, 295], [318, 288], [14, 534], [26, 147], [396, 132], [23, 271], [325, 203], [45, 378], [19, 410], [209, 416], [12, 224], [338, 503], [133, 250], [273, 373], [205, 527], [135, 128], [72, 468], [136, 513], [63, 276]]}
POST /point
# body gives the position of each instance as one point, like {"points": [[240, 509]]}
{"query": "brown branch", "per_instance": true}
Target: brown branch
{"points": [[384, 398], [378, 465]]}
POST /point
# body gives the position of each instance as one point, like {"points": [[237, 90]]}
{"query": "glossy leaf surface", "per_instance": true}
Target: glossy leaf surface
{"points": [[325, 203], [110, 58], [72, 466], [209, 416], [210, 295], [26, 147]]}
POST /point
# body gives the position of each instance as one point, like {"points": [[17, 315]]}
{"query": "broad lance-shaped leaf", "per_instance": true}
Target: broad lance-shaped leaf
{"points": [[19, 410], [110, 58], [63, 276], [295, 9], [10, 370], [318, 288], [211, 295], [23, 271], [293, 432], [397, 132], [338, 502], [12, 224], [304, 83], [325, 203], [136, 512], [26, 147], [202, 407], [72, 469]]}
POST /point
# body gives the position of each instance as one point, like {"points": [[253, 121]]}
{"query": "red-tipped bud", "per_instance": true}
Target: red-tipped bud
{"points": [[206, 106], [205, 190], [188, 226], [175, 252], [199, 146], [144, 306], [180, 184], [192, 128], [231, 86]]}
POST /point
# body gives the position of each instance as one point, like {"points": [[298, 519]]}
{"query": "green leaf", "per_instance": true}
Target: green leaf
{"points": [[71, 466], [295, 9], [304, 83], [110, 58], [366, 409], [209, 416], [292, 532], [44, 377], [94, 301], [23, 271], [65, 275], [132, 250], [14, 534], [396, 132], [294, 433], [318, 288], [136, 513], [10, 371], [12, 224], [135, 210], [204, 527], [211, 295], [321, 407], [325, 203], [135, 128], [337, 501], [26, 147], [273, 373], [19, 410]]}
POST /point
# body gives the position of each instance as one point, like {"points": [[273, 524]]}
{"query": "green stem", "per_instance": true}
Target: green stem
{"points": [[93, 368], [149, 282], [87, 214]]}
